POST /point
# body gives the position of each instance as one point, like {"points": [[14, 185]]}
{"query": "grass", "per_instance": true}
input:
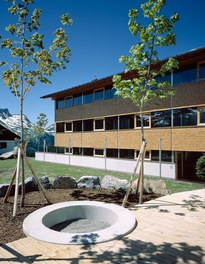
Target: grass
{"points": [[53, 170]]}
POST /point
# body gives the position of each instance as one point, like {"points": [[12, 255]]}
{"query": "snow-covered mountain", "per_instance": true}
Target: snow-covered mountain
{"points": [[13, 122]]}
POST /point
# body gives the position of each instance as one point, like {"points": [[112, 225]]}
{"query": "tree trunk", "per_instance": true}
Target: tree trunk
{"points": [[22, 160]]}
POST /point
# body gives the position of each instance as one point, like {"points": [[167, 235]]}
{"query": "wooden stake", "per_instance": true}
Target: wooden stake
{"points": [[17, 183], [10, 186], [134, 173], [34, 174]]}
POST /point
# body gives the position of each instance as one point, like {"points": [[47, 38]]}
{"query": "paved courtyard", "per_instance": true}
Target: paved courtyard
{"points": [[170, 229]]}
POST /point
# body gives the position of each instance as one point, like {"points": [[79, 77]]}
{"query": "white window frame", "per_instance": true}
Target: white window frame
{"points": [[100, 129], [198, 117], [139, 127], [98, 155], [67, 152], [69, 131], [149, 154]]}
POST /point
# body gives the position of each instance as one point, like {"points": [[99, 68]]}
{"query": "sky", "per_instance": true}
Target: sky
{"points": [[98, 37]]}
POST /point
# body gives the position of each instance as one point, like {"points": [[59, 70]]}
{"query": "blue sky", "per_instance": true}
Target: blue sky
{"points": [[97, 38]]}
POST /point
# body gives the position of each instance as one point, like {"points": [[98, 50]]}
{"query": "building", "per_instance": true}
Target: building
{"points": [[91, 121], [7, 138]]}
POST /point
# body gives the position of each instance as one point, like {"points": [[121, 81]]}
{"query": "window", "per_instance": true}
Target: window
{"points": [[3, 145], [146, 120], [185, 117], [60, 104], [87, 98], [127, 122], [77, 151], [202, 116], [185, 76], [99, 124], [127, 153], [147, 154], [88, 151], [99, 152], [165, 155], [161, 118], [111, 123], [88, 125], [77, 100], [68, 150], [69, 126], [69, 102], [60, 127], [77, 126], [110, 93], [99, 95], [202, 70], [112, 153]]}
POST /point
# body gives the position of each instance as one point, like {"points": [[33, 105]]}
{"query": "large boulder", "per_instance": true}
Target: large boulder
{"points": [[90, 182], [64, 182], [113, 183], [30, 185], [153, 186], [46, 182], [3, 189], [7, 155]]}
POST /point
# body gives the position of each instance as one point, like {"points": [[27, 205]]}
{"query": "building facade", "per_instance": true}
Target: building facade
{"points": [[90, 120], [7, 139]]}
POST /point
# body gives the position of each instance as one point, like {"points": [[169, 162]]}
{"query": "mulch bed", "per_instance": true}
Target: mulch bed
{"points": [[11, 227]]}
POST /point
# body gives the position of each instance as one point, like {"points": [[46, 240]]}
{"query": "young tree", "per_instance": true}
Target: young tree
{"points": [[40, 125], [155, 34], [31, 60]]}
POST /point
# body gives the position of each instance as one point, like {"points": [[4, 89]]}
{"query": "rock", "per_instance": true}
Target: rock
{"points": [[113, 183], [3, 189], [64, 182], [45, 182], [90, 182], [30, 185], [153, 186]]}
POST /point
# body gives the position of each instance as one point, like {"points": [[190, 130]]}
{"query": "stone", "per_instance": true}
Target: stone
{"points": [[113, 183], [64, 182], [46, 182], [153, 186], [7, 155], [30, 185], [3, 189], [90, 182]]}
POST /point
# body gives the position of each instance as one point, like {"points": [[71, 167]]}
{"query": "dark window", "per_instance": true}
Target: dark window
{"points": [[127, 153], [60, 104], [127, 122], [111, 123], [87, 98], [88, 125], [147, 154], [161, 118], [68, 126], [185, 117], [77, 125], [160, 79], [202, 116], [69, 102], [99, 95], [110, 93], [112, 153], [185, 76], [88, 151], [77, 100], [60, 150], [99, 152], [145, 119], [99, 124], [3, 145], [202, 71], [77, 151], [165, 155], [69, 150], [60, 127]]}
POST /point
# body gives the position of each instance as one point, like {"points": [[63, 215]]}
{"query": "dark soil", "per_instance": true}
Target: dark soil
{"points": [[11, 227]]}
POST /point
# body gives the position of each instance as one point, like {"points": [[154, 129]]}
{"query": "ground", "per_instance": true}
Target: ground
{"points": [[11, 227]]}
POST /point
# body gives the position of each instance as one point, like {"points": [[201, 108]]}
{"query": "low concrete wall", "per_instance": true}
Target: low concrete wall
{"points": [[121, 165]]}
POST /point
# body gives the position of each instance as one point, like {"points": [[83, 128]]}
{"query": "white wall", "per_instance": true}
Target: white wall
{"points": [[121, 165], [10, 146]]}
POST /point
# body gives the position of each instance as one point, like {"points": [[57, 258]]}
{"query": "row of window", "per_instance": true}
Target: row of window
{"points": [[169, 118], [177, 78], [118, 153]]}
